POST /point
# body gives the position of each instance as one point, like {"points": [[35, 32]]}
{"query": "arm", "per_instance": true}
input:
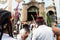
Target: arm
{"points": [[56, 30]]}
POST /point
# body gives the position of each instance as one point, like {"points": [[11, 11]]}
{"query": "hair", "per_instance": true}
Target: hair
{"points": [[40, 21], [26, 27], [5, 19]]}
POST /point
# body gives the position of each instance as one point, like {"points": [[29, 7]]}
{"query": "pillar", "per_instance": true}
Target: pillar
{"points": [[10, 5], [24, 13], [41, 9]]}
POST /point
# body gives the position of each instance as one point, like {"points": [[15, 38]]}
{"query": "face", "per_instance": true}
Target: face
{"points": [[25, 35]]}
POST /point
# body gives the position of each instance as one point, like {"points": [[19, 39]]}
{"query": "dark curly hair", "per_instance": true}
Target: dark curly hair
{"points": [[40, 21], [5, 19], [26, 27]]}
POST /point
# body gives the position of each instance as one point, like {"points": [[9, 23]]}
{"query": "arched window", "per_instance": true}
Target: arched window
{"points": [[33, 9], [50, 18], [32, 12]]}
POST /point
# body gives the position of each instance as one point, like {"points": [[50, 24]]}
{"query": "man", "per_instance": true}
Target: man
{"points": [[6, 29], [43, 32]]}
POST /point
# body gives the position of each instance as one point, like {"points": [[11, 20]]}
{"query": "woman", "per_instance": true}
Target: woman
{"points": [[24, 33], [6, 29]]}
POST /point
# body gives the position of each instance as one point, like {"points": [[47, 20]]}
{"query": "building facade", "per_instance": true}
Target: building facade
{"points": [[32, 8]]}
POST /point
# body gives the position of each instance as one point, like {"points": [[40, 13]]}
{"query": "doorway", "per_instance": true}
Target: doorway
{"points": [[50, 18], [32, 13]]}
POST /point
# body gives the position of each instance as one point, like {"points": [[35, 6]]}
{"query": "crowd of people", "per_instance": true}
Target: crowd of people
{"points": [[36, 30]]}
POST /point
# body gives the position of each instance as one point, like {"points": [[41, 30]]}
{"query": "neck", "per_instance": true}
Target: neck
{"points": [[6, 31]]}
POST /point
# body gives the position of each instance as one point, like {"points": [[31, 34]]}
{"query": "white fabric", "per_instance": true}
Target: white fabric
{"points": [[33, 30], [7, 37], [22, 31], [43, 32], [18, 22], [31, 26], [19, 37]]}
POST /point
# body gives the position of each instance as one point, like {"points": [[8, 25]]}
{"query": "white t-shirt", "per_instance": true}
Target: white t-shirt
{"points": [[22, 31], [7, 37], [18, 22], [43, 32], [31, 26]]}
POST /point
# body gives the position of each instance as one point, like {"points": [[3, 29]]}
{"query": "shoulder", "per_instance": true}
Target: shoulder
{"points": [[8, 38], [12, 39]]}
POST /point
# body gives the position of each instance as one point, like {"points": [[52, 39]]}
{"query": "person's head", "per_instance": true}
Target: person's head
{"points": [[5, 23], [40, 21], [26, 27], [25, 31]]}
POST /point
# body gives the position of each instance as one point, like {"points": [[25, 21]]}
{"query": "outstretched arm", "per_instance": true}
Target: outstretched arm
{"points": [[56, 30]]}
